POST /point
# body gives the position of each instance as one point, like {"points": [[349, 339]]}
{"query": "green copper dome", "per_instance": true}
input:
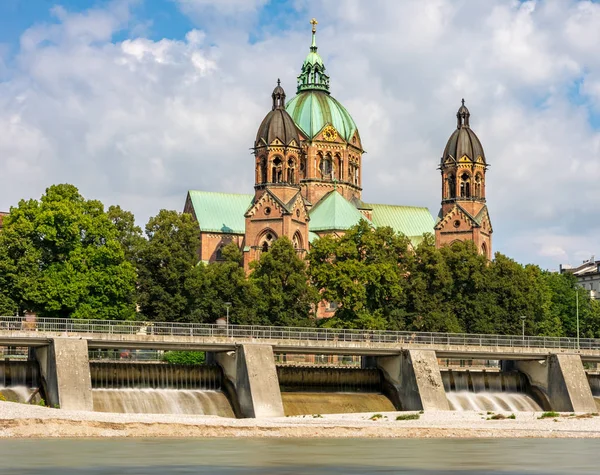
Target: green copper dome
{"points": [[313, 110]]}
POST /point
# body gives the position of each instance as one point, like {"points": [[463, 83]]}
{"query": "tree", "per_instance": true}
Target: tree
{"points": [[430, 290], [60, 257], [128, 234], [223, 282], [167, 262], [364, 272], [286, 298]]}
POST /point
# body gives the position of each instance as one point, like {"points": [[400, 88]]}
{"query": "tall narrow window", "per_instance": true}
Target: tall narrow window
{"points": [[277, 173], [478, 186], [465, 186]]}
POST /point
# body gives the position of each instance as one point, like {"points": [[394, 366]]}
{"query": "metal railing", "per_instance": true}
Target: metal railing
{"points": [[290, 334]]}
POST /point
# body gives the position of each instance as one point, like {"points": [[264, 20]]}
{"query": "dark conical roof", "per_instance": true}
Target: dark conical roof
{"points": [[463, 140], [277, 124]]}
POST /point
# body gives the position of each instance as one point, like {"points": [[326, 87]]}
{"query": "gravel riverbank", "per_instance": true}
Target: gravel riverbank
{"points": [[24, 421]]}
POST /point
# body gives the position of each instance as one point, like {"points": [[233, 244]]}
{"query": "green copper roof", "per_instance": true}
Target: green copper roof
{"points": [[411, 221], [220, 212], [334, 213], [313, 110]]}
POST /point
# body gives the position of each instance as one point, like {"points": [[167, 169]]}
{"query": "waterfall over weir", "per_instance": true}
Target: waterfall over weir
{"points": [[488, 391], [157, 388], [18, 379], [330, 390]]}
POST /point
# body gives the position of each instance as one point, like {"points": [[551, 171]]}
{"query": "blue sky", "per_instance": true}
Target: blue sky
{"points": [[137, 101]]}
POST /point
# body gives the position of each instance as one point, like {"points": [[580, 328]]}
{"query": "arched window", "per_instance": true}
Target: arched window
{"points": [[465, 186], [263, 169], [302, 173], [266, 240], [297, 242], [451, 186], [277, 174], [326, 167], [291, 171], [478, 186], [339, 174], [219, 253], [484, 250]]}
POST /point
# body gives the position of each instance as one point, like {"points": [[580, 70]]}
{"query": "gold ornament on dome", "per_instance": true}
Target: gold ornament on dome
{"points": [[329, 133]]}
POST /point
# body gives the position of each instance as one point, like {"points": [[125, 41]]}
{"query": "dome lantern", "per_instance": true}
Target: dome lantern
{"points": [[277, 124], [313, 76]]}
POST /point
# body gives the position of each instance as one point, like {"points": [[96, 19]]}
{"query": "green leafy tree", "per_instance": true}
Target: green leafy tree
{"points": [[129, 235], [430, 290], [364, 272], [223, 282], [286, 298], [61, 257], [167, 262]]}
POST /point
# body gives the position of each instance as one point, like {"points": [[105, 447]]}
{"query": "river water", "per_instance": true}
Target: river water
{"points": [[300, 457]]}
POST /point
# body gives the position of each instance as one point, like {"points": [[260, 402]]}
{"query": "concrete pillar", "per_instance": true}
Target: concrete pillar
{"points": [[416, 377], [563, 381], [65, 374], [251, 369]]}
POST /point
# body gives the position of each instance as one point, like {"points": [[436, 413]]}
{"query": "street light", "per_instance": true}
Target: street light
{"points": [[227, 305], [523, 317], [577, 307]]}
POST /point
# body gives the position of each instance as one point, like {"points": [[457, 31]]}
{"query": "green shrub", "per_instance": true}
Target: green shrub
{"points": [[549, 414], [408, 417], [512, 416], [2, 397], [376, 417], [189, 358], [41, 402], [497, 417]]}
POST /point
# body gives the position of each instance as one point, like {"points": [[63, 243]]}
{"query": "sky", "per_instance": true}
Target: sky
{"points": [[137, 101]]}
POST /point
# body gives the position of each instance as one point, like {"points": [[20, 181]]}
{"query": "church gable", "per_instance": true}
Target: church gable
{"points": [[456, 220], [483, 218], [266, 207], [298, 209]]}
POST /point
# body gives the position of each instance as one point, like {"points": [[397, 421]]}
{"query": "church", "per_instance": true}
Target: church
{"points": [[308, 181]]}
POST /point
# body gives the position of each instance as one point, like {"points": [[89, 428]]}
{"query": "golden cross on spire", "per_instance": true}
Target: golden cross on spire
{"points": [[314, 23]]}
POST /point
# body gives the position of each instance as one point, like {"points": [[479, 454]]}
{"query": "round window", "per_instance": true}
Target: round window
{"points": [[456, 223], [267, 210]]}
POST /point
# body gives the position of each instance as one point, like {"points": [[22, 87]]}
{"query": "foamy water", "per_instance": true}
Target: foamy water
{"points": [[162, 401], [491, 401]]}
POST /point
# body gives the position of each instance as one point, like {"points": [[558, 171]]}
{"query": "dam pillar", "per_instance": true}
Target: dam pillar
{"points": [[65, 374], [251, 369], [563, 381], [416, 378]]}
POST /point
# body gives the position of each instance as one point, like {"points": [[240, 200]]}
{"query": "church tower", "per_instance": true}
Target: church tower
{"points": [[278, 208], [464, 214], [332, 159]]}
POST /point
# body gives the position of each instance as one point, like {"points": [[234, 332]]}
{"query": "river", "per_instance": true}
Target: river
{"points": [[300, 456]]}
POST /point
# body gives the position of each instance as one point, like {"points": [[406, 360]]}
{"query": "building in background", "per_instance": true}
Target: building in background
{"points": [[588, 276], [308, 164]]}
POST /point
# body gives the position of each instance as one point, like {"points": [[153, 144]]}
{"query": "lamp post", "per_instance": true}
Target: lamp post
{"points": [[227, 305], [523, 317], [577, 310]]}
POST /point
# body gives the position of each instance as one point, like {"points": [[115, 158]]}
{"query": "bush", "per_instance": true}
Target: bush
{"points": [[376, 417], [408, 417], [549, 414], [188, 358]]}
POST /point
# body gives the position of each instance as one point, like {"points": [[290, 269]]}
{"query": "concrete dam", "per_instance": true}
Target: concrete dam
{"points": [[247, 383]]}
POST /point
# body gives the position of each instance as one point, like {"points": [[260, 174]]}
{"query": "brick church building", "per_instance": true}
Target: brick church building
{"points": [[308, 180]]}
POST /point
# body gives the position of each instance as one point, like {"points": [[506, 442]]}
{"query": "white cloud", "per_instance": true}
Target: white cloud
{"points": [[139, 122]]}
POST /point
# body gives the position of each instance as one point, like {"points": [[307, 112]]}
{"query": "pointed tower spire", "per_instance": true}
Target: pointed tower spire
{"points": [[462, 116], [313, 76], [278, 96], [313, 46]]}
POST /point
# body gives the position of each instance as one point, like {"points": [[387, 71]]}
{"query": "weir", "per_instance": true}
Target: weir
{"points": [[158, 388], [19, 380], [491, 391], [331, 390]]}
